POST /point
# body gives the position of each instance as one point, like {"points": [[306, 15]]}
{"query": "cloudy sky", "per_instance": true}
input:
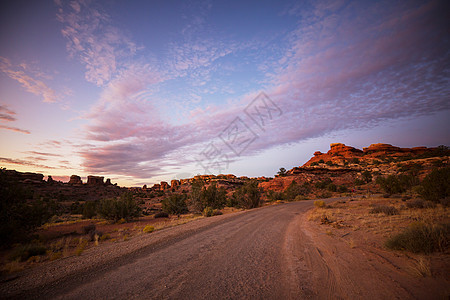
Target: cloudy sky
{"points": [[143, 91]]}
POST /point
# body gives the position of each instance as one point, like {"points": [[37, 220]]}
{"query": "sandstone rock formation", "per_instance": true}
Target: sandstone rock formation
{"points": [[75, 180], [174, 183], [164, 185], [50, 180], [108, 182], [95, 180]]}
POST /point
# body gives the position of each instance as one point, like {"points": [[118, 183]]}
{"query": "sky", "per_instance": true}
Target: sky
{"points": [[144, 91]]}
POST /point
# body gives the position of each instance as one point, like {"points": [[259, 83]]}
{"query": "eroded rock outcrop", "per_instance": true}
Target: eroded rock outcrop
{"points": [[174, 183], [95, 180], [75, 180]]}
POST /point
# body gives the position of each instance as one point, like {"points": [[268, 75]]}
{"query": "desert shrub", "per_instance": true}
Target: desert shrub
{"points": [[148, 229], [415, 203], [329, 163], [89, 209], [325, 195], [24, 252], [201, 197], [354, 160], [445, 202], [274, 196], [208, 211], [367, 176], [396, 184], [89, 228], [359, 181], [387, 210], [332, 187], [124, 207], [196, 196], [314, 164], [319, 203], [300, 198], [175, 204], [295, 189], [436, 185], [420, 237], [342, 189], [161, 215], [214, 197], [323, 183], [248, 195], [321, 161]]}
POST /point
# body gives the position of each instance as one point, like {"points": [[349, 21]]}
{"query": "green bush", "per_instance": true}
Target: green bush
{"points": [[24, 252], [124, 207], [421, 238], [387, 210], [295, 189], [367, 176], [436, 185], [332, 187], [323, 183], [175, 204], [201, 197], [396, 184], [274, 196], [89, 209], [249, 195], [342, 189]]}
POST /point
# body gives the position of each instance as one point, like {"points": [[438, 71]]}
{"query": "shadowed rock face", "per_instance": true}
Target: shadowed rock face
{"points": [[75, 179], [95, 180]]}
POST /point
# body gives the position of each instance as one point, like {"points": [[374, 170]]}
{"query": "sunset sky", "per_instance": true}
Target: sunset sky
{"points": [[144, 91]]}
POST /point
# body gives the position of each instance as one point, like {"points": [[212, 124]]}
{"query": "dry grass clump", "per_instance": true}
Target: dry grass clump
{"points": [[387, 210], [419, 237], [319, 204], [148, 229]]}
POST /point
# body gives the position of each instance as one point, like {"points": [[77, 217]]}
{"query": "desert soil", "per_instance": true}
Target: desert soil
{"points": [[273, 252]]}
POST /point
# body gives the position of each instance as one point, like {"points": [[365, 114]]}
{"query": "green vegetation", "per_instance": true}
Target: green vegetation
{"points": [[175, 204], [201, 197], [421, 238], [124, 207], [295, 189], [23, 252], [397, 184], [89, 209], [248, 196], [436, 185], [282, 172]]}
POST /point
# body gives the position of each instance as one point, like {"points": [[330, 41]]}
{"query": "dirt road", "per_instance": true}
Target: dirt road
{"points": [[266, 253]]}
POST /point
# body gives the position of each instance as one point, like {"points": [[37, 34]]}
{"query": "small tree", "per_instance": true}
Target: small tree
{"points": [[175, 204], [195, 197], [214, 197], [282, 172], [294, 189], [124, 207], [249, 195], [436, 185]]}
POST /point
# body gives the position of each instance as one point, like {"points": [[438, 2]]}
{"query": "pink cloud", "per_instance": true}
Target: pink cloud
{"points": [[31, 84], [15, 129], [99, 46]]}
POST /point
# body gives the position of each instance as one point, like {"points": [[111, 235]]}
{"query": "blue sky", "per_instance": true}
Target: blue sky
{"points": [[143, 91]]}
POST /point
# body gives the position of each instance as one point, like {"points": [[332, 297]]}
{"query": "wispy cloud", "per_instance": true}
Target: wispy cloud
{"points": [[32, 85], [347, 65], [15, 129], [23, 162], [6, 114], [92, 39]]}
